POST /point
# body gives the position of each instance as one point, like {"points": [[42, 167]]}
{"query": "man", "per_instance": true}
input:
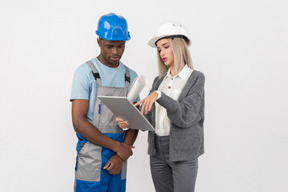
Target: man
{"points": [[103, 147]]}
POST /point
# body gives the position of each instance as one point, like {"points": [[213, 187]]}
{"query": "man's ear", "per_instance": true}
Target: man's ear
{"points": [[99, 42]]}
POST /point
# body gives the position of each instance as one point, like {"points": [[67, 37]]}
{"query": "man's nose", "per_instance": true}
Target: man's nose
{"points": [[115, 50]]}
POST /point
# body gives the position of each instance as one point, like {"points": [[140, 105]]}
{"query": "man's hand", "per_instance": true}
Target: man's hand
{"points": [[114, 165], [124, 151]]}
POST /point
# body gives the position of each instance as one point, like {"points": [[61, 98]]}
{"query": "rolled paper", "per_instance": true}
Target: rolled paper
{"points": [[137, 86]]}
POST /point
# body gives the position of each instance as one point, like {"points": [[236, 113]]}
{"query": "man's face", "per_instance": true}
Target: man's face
{"points": [[111, 52]]}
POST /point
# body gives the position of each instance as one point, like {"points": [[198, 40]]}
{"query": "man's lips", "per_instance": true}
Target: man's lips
{"points": [[114, 58]]}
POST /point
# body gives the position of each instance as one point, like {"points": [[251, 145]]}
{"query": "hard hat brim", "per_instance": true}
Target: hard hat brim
{"points": [[153, 41]]}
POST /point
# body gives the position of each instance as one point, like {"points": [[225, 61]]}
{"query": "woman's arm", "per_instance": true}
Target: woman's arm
{"points": [[186, 112]]}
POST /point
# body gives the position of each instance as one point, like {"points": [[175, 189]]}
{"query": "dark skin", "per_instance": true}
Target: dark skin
{"points": [[111, 52], [110, 55]]}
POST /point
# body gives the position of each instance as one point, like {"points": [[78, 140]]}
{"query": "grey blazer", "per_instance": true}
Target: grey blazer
{"points": [[187, 116]]}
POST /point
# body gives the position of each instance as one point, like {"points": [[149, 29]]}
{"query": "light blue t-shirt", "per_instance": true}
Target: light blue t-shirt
{"points": [[84, 84]]}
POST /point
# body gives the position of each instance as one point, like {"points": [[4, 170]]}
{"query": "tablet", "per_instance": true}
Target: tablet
{"points": [[123, 108]]}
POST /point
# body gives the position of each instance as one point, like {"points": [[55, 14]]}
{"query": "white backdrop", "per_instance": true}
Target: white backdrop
{"points": [[241, 47]]}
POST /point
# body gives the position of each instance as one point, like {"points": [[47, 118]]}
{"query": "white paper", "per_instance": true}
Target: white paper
{"points": [[138, 85]]}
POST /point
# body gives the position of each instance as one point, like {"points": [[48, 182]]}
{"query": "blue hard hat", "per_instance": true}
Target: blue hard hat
{"points": [[113, 27]]}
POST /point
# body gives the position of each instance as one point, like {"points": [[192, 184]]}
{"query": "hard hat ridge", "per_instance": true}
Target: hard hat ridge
{"points": [[113, 27]]}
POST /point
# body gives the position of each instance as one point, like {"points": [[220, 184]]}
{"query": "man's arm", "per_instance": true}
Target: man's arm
{"points": [[130, 136], [92, 134], [114, 165]]}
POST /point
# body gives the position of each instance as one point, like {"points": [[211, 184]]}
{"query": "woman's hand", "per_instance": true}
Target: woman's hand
{"points": [[147, 102], [122, 123]]}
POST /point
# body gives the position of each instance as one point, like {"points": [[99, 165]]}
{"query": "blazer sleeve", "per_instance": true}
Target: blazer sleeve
{"points": [[188, 110]]}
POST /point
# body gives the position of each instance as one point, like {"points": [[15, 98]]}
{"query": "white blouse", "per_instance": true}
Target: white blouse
{"points": [[171, 86]]}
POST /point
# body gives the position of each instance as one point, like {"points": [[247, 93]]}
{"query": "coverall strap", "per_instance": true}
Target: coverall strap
{"points": [[97, 76]]}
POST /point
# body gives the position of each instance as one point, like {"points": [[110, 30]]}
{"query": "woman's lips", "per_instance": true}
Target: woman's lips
{"points": [[164, 59]]}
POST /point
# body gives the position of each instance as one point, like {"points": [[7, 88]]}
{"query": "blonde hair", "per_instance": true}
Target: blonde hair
{"points": [[181, 53]]}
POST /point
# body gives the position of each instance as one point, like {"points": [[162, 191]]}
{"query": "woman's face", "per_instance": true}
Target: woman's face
{"points": [[165, 52]]}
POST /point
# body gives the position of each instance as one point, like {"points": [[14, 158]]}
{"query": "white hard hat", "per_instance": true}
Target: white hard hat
{"points": [[169, 29]]}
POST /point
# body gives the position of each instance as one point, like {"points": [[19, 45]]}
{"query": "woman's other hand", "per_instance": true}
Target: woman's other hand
{"points": [[122, 123], [147, 102]]}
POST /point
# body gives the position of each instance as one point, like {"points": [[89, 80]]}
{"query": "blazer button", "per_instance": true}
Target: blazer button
{"points": [[169, 87]]}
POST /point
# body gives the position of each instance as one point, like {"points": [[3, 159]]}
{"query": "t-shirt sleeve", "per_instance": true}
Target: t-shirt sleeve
{"points": [[80, 84]]}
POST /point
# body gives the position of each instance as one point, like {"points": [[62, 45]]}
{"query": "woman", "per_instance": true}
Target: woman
{"points": [[175, 107]]}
